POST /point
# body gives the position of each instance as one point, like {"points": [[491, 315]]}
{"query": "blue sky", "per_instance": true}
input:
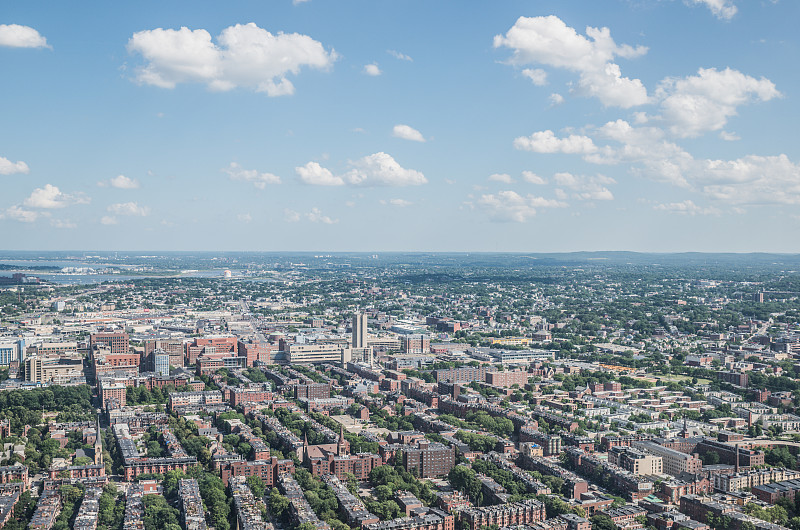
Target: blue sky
{"points": [[650, 125]]}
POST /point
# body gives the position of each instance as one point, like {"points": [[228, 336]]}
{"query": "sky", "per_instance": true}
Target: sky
{"points": [[400, 125]]}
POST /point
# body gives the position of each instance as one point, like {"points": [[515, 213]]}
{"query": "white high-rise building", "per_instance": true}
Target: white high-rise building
{"points": [[359, 331]]}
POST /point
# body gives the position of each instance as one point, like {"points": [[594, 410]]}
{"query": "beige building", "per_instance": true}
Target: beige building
{"points": [[674, 462], [636, 461], [56, 370], [318, 353]]}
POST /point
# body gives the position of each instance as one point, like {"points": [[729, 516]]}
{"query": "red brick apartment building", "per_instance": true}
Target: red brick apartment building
{"points": [[116, 342]]}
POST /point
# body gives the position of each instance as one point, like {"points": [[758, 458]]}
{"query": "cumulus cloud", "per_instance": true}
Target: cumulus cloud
{"points": [[729, 136], [397, 55], [547, 142], [722, 9], [507, 206], [17, 213], [121, 182], [532, 178], [501, 177], [290, 216], [586, 187], [243, 55], [407, 133], [549, 41], [555, 99], [316, 175], [51, 197], [259, 180], [372, 69], [686, 207], [16, 36], [108, 220], [378, 169], [537, 76], [7, 167], [696, 104], [244, 217], [316, 216], [646, 150], [129, 208]]}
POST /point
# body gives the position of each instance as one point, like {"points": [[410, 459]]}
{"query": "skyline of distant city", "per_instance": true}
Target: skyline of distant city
{"points": [[306, 125]]}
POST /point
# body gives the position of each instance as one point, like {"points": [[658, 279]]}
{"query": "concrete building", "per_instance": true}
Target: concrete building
{"points": [[359, 331], [318, 353], [636, 461], [674, 462]]}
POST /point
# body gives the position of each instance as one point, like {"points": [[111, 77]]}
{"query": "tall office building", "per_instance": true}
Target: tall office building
{"points": [[359, 331]]}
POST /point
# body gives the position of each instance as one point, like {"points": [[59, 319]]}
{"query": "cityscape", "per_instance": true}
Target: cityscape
{"points": [[400, 265], [407, 391]]}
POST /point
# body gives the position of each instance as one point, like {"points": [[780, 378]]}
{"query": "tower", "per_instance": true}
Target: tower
{"points": [[341, 444], [359, 330], [304, 456], [98, 445]]}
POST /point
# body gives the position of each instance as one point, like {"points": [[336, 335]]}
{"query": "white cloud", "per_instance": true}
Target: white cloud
{"points": [[549, 41], [586, 187], [316, 175], [129, 208], [729, 136], [244, 55], [407, 133], [295, 2], [17, 213], [62, 223], [751, 179], [51, 197], [7, 167], [686, 207], [532, 178], [380, 169], [696, 104], [397, 55], [546, 142], [120, 181], [748, 180], [372, 69], [401, 203], [16, 36], [537, 76], [108, 220], [722, 9], [511, 206], [501, 177], [244, 217], [316, 216], [555, 99], [259, 180], [290, 216]]}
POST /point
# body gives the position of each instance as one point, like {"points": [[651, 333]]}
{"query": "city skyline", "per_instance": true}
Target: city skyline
{"points": [[652, 126]]}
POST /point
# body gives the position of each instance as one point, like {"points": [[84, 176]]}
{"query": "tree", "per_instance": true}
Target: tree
{"points": [[278, 504], [256, 486], [603, 522]]}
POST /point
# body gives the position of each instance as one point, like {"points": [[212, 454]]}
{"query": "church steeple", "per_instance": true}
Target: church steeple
{"points": [[341, 444], [98, 445]]}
